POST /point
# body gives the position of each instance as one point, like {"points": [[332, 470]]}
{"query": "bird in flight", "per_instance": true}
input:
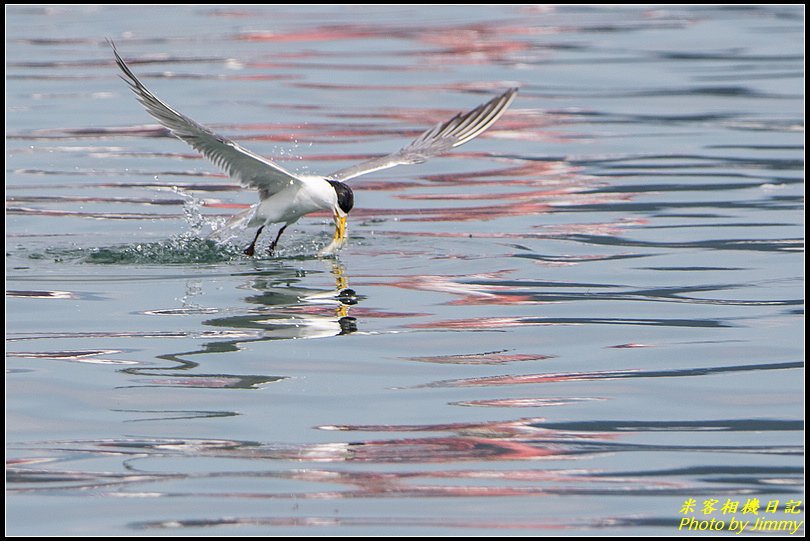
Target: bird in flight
{"points": [[284, 197]]}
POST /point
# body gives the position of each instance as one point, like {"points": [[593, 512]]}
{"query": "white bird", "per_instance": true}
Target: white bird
{"points": [[284, 197]]}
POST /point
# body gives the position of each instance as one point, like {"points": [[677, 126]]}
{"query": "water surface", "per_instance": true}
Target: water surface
{"points": [[586, 317]]}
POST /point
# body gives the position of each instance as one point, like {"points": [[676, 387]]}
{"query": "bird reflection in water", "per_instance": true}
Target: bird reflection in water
{"points": [[281, 309]]}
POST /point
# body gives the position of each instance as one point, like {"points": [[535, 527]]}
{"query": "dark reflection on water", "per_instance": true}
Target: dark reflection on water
{"points": [[630, 231], [774, 245], [505, 322], [520, 439], [283, 310], [610, 374], [496, 442]]}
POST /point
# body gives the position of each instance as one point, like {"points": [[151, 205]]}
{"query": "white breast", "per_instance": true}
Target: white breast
{"points": [[309, 194]]}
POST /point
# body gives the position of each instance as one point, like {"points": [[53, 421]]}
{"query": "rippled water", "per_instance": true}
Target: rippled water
{"points": [[578, 322]]}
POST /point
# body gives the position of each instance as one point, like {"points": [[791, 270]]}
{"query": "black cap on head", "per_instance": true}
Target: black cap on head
{"points": [[345, 196]]}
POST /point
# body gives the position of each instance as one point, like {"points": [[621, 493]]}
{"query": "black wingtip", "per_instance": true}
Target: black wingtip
{"points": [[118, 59], [509, 95], [111, 43]]}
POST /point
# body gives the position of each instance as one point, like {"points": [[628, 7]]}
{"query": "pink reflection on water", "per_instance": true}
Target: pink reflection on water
{"points": [[322, 33], [503, 196], [199, 382], [234, 12], [614, 229], [518, 440], [16, 337], [474, 44], [470, 293], [83, 356], [94, 215], [525, 402], [523, 379], [473, 323], [495, 357]]}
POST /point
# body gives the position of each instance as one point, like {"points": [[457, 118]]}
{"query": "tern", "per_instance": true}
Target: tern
{"points": [[284, 197]]}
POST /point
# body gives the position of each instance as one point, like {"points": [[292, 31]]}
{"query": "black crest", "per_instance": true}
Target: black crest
{"points": [[345, 196]]}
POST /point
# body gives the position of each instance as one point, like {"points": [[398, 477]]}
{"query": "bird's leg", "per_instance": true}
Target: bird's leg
{"points": [[273, 244], [250, 250]]}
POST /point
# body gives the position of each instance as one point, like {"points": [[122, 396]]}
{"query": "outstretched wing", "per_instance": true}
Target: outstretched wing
{"points": [[241, 164], [437, 140]]}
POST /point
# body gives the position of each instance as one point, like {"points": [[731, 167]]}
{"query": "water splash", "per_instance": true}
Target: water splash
{"points": [[180, 250], [192, 211], [184, 249], [194, 246]]}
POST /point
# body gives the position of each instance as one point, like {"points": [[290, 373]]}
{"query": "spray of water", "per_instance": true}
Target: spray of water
{"points": [[193, 246]]}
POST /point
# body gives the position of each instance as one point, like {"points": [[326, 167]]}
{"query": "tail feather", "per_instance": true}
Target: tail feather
{"points": [[234, 226]]}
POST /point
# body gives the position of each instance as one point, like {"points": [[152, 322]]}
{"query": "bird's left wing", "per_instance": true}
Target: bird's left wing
{"points": [[439, 139], [241, 164]]}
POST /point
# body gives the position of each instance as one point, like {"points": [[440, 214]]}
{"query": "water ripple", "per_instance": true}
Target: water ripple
{"points": [[522, 379], [636, 216]]}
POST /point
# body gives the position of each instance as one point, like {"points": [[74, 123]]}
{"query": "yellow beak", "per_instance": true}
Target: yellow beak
{"points": [[340, 228]]}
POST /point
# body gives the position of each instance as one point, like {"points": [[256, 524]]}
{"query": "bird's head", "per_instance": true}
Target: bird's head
{"points": [[345, 198], [344, 204]]}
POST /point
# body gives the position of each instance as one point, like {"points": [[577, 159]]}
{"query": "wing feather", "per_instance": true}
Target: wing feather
{"points": [[241, 164], [439, 139]]}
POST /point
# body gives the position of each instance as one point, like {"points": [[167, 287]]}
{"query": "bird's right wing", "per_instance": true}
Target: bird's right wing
{"points": [[437, 140], [241, 164]]}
